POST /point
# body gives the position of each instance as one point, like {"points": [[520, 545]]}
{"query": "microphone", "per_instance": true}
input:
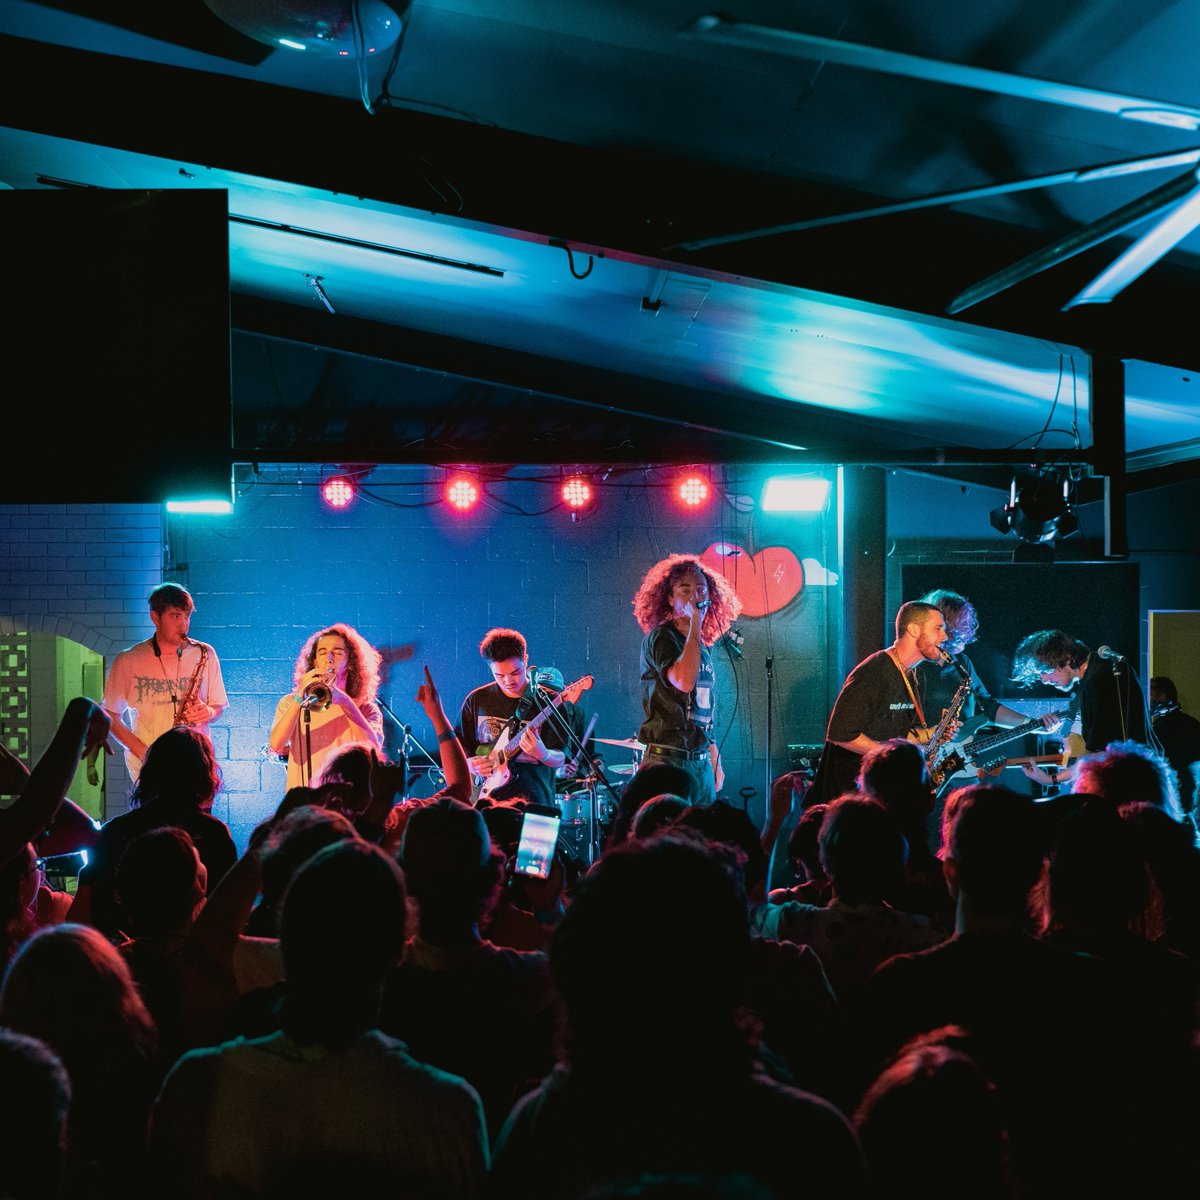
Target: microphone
{"points": [[1109, 653]]}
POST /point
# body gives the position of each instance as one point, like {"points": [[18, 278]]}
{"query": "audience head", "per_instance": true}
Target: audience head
{"points": [[292, 840], [863, 851], [894, 773], [453, 869], [992, 847], [351, 764], [1162, 691], [731, 826], [161, 882], [179, 770], [1095, 880], [657, 813], [33, 1134], [934, 1085], [1129, 773], [649, 780], [335, 966], [71, 987], [662, 918], [804, 844]]}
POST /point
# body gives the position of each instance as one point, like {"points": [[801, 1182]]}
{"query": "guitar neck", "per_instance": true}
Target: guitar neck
{"points": [[978, 747], [513, 748]]}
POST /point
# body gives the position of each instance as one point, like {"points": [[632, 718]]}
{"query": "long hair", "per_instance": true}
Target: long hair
{"points": [[362, 661], [71, 987], [652, 604], [1045, 650], [180, 770]]}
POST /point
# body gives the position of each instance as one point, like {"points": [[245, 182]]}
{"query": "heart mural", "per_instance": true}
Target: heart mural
{"points": [[765, 582]]}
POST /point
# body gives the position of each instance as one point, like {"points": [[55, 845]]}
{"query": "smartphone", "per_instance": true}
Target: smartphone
{"points": [[535, 849]]}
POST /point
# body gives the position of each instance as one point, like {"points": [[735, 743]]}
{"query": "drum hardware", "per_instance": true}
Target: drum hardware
{"points": [[585, 814]]}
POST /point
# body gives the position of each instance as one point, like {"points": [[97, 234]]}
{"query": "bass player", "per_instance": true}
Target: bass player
{"points": [[498, 708]]}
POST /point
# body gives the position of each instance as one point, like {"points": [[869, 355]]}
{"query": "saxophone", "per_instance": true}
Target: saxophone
{"points": [[939, 768], [191, 692]]}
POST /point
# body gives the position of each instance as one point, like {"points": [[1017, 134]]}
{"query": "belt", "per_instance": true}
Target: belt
{"points": [[674, 752]]}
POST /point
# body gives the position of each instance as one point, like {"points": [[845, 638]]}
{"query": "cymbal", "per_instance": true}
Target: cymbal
{"points": [[623, 769], [628, 743]]}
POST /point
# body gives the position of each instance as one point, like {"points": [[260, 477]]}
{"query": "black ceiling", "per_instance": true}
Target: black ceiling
{"points": [[605, 130]]}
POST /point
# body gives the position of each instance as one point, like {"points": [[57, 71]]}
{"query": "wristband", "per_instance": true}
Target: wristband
{"points": [[448, 736]]}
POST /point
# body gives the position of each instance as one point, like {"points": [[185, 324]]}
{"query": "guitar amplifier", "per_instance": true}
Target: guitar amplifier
{"points": [[804, 758]]}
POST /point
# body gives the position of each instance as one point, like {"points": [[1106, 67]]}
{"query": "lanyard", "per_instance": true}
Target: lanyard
{"points": [[912, 695]]}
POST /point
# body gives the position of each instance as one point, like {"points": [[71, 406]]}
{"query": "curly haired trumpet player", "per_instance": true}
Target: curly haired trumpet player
{"points": [[332, 702]]}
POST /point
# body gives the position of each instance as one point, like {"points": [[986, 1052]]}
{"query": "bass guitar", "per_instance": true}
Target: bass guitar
{"points": [[985, 754], [508, 744]]}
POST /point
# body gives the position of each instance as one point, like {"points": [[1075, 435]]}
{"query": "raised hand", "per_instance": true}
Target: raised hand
{"points": [[427, 696]]}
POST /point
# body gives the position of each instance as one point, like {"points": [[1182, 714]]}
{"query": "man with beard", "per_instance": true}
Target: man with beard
{"points": [[879, 700]]}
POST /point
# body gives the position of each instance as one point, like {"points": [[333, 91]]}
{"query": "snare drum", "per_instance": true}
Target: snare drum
{"points": [[575, 804]]}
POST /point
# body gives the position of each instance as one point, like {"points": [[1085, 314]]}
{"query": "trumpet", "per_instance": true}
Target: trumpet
{"points": [[319, 693]]}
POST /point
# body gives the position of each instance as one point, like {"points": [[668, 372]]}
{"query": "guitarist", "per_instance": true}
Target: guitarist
{"points": [[1112, 707], [497, 712]]}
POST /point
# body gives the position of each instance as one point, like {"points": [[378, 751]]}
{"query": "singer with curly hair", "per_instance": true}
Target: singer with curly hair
{"points": [[332, 702], [682, 608]]}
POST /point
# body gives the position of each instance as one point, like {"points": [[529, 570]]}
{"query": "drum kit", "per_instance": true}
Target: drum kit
{"points": [[588, 806]]}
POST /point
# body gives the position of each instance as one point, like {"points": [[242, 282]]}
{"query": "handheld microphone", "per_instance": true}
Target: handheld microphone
{"points": [[1109, 653]]}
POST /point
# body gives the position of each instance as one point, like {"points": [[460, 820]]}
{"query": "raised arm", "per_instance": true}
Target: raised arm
{"points": [[450, 749], [84, 724]]}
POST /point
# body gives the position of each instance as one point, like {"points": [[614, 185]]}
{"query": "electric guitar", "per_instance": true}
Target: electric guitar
{"points": [[508, 744], [984, 754]]}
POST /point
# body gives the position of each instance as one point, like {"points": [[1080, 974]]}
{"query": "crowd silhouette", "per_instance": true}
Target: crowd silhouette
{"points": [[991, 996]]}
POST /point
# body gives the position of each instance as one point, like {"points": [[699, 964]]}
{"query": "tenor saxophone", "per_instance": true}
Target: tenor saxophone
{"points": [[193, 686]]}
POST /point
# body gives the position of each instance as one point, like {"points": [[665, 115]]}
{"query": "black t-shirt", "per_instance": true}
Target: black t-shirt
{"points": [[682, 720], [938, 682], [1111, 705], [486, 712], [873, 701]]}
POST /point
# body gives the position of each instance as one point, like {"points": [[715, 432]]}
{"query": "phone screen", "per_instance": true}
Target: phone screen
{"points": [[535, 850]]}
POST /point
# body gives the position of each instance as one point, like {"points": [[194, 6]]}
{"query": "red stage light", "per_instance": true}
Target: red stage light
{"points": [[462, 493], [576, 492], [693, 491], [338, 491]]}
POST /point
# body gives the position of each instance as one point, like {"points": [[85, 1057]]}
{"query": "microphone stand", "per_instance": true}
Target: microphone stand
{"points": [[409, 741], [580, 749], [767, 752]]}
